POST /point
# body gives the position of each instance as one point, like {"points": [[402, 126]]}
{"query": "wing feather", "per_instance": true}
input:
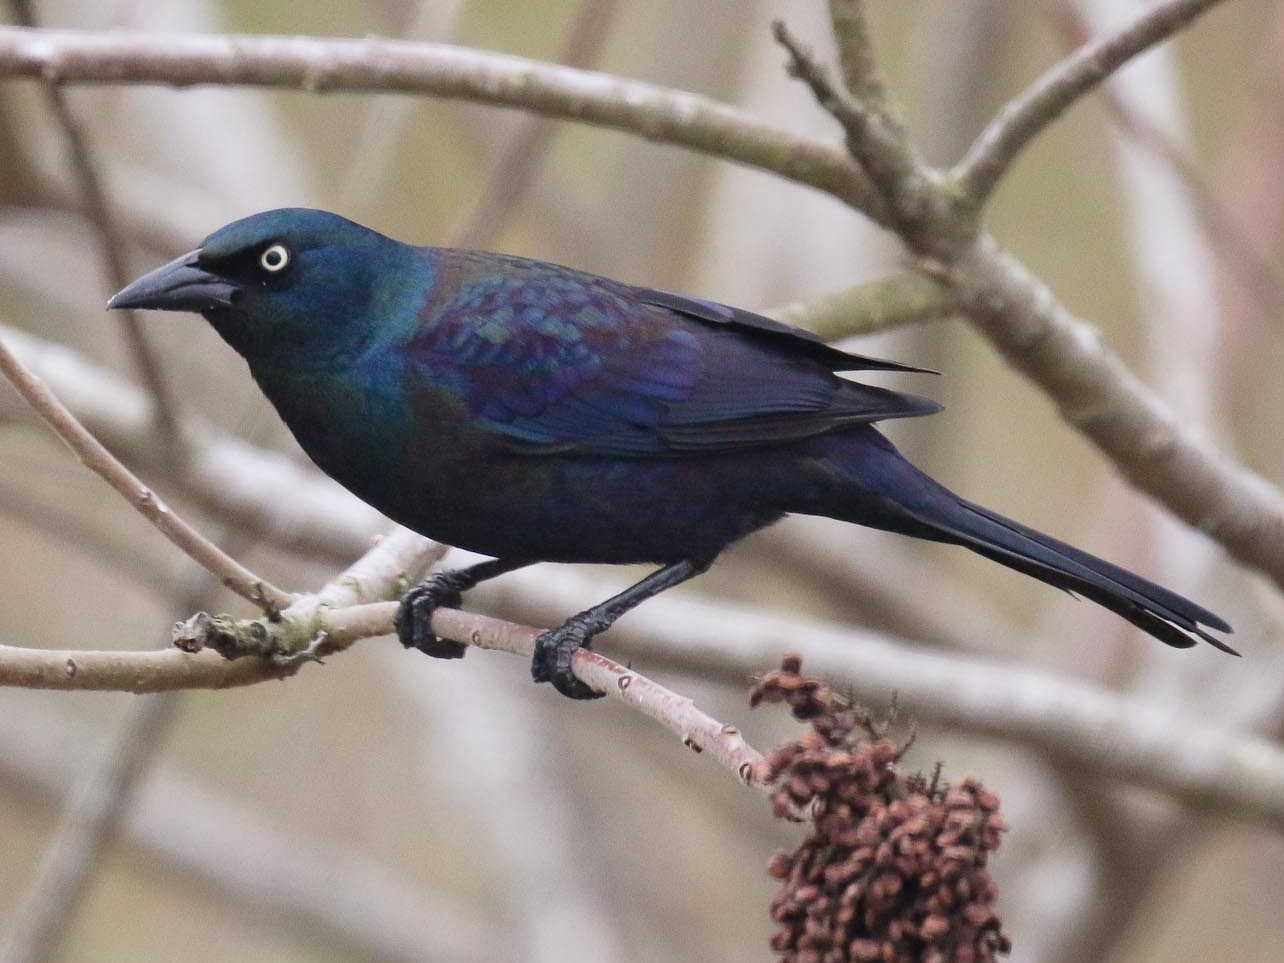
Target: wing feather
{"points": [[555, 360]]}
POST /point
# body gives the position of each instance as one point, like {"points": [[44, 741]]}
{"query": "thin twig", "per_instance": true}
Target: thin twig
{"points": [[112, 247], [1237, 253], [876, 142], [1026, 116], [394, 563], [335, 630], [527, 146], [255, 490], [97, 458], [928, 219], [881, 305], [856, 53]]}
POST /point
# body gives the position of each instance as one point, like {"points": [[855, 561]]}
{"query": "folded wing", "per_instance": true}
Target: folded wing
{"points": [[555, 360]]}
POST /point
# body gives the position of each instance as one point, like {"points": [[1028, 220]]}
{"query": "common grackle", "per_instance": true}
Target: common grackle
{"points": [[533, 413]]}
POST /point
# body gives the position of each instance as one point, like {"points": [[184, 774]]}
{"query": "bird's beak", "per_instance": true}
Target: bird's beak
{"points": [[179, 285]]}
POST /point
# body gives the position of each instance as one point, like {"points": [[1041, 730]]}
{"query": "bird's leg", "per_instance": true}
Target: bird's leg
{"points": [[553, 649], [443, 589]]}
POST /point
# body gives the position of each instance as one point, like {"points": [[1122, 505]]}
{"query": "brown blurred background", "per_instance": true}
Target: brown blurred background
{"points": [[388, 807]]}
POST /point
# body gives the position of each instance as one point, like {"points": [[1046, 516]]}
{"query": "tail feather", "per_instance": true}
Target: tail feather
{"points": [[1154, 609], [872, 484]]}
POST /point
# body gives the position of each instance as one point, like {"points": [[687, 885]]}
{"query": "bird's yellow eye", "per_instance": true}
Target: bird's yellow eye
{"points": [[275, 258]]}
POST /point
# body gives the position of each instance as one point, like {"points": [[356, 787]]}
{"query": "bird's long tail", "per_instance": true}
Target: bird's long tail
{"points": [[892, 494]]}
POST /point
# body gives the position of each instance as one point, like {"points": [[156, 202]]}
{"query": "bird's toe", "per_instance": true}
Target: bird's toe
{"points": [[552, 662], [414, 618]]}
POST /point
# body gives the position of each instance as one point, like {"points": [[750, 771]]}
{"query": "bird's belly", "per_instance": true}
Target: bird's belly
{"points": [[437, 474], [566, 509]]}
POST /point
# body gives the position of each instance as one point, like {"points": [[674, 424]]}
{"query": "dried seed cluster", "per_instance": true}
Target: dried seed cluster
{"points": [[894, 869]]}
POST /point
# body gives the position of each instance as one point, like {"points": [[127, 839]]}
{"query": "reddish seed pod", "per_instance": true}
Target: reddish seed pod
{"points": [[893, 868]]}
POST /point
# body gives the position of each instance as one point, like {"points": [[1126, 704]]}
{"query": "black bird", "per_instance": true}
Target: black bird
{"points": [[536, 413]]}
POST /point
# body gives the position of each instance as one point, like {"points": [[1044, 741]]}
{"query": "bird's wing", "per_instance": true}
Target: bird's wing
{"points": [[558, 361], [798, 340]]}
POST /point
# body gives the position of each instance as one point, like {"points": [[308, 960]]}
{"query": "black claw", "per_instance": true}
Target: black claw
{"points": [[552, 660], [414, 616], [574, 688]]}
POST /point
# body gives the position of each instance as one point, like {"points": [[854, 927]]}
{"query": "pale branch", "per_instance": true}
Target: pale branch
{"points": [[1159, 454], [526, 148], [879, 305], [324, 632], [1029, 114], [1228, 772], [394, 563], [320, 65], [1197, 762], [282, 646], [875, 139], [856, 53], [1225, 491], [318, 624], [112, 247], [98, 459], [259, 491]]}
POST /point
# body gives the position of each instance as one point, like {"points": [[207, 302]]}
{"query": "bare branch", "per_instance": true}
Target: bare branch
{"points": [[262, 492], [331, 631], [512, 175], [866, 308], [1196, 762], [1096, 393], [874, 139], [111, 247], [1232, 773], [386, 66], [855, 52], [94, 456], [393, 564], [1026, 116]]}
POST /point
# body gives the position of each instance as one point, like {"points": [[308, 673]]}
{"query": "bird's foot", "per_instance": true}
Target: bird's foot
{"points": [[414, 615], [553, 652]]}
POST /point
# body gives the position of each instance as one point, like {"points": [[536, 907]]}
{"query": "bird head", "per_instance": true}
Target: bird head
{"points": [[292, 282]]}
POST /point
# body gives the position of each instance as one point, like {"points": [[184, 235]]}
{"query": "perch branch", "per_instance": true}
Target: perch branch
{"points": [[1028, 115], [97, 458]]}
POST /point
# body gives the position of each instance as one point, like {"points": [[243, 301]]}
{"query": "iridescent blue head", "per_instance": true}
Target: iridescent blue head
{"points": [[292, 283]]}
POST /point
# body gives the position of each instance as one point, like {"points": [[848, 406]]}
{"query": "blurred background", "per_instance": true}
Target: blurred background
{"points": [[390, 807]]}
